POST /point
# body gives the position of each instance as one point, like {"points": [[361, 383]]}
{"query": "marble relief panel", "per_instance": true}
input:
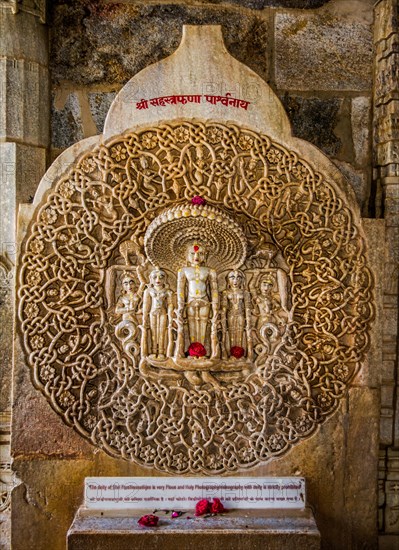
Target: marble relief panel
{"points": [[194, 297]]}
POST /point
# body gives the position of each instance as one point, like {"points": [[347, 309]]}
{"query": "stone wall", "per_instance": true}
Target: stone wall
{"points": [[24, 139], [386, 147], [318, 57]]}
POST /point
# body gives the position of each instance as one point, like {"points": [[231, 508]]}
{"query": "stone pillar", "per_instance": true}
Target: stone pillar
{"points": [[24, 139], [386, 157]]}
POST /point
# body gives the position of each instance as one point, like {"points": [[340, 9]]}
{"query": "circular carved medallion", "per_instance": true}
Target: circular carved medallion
{"points": [[303, 299]]}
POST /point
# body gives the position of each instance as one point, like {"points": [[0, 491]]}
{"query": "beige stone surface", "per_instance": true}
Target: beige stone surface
{"points": [[234, 530], [342, 492], [49, 492], [47, 436]]}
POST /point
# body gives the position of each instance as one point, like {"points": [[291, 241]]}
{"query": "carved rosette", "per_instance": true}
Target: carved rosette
{"points": [[110, 197]]}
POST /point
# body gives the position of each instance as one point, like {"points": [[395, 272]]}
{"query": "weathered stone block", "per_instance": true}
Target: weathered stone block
{"points": [[24, 94], [100, 103], [291, 530], [66, 122], [260, 4], [110, 43], [362, 487], [386, 19], [359, 183], [315, 120], [325, 50], [388, 542], [21, 167], [23, 37], [361, 121]]}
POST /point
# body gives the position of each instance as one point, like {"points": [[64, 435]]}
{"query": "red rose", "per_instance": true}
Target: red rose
{"points": [[237, 352], [196, 350], [217, 507], [149, 520], [202, 507], [198, 201]]}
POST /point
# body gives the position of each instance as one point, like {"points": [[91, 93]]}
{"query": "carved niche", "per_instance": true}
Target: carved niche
{"points": [[194, 297]]}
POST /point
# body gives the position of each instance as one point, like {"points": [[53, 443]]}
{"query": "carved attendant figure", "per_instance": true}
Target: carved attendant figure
{"points": [[236, 313], [266, 302], [268, 252], [197, 300], [128, 299], [157, 316]]}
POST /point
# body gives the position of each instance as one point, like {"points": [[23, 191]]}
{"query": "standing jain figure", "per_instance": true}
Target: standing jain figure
{"points": [[197, 298], [236, 314], [157, 317]]}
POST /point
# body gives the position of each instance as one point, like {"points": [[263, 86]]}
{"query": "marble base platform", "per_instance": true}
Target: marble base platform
{"points": [[236, 530]]}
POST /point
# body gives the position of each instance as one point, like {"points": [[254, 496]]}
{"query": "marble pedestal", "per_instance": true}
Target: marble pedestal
{"points": [[236, 530]]}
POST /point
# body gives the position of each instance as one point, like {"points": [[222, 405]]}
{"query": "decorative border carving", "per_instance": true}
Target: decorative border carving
{"points": [[112, 195]]}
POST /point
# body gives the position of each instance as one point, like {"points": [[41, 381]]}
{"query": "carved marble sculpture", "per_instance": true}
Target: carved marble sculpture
{"points": [[121, 273], [236, 314], [200, 298], [157, 317]]}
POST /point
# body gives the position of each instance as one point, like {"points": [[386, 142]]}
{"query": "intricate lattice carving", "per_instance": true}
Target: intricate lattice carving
{"points": [[90, 230]]}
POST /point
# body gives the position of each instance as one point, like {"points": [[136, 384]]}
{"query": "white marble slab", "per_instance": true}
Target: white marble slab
{"points": [[184, 492]]}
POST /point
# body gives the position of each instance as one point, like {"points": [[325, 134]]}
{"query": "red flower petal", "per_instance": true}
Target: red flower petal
{"points": [[202, 507], [217, 507], [149, 520], [237, 352], [198, 201], [196, 349]]}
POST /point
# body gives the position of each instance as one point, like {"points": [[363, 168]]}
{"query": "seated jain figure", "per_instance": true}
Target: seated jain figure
{"points": [[157, 317], [197, 301], [236, 314]]}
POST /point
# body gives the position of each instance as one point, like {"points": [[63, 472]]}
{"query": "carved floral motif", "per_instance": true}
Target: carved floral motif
{"points": [[88, 308]]}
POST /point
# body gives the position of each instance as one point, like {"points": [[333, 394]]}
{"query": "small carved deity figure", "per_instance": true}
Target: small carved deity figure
{"points": [[268, 253], [128, 300], [197, 301], [236, 313], [157, 317], [267, 304]]}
